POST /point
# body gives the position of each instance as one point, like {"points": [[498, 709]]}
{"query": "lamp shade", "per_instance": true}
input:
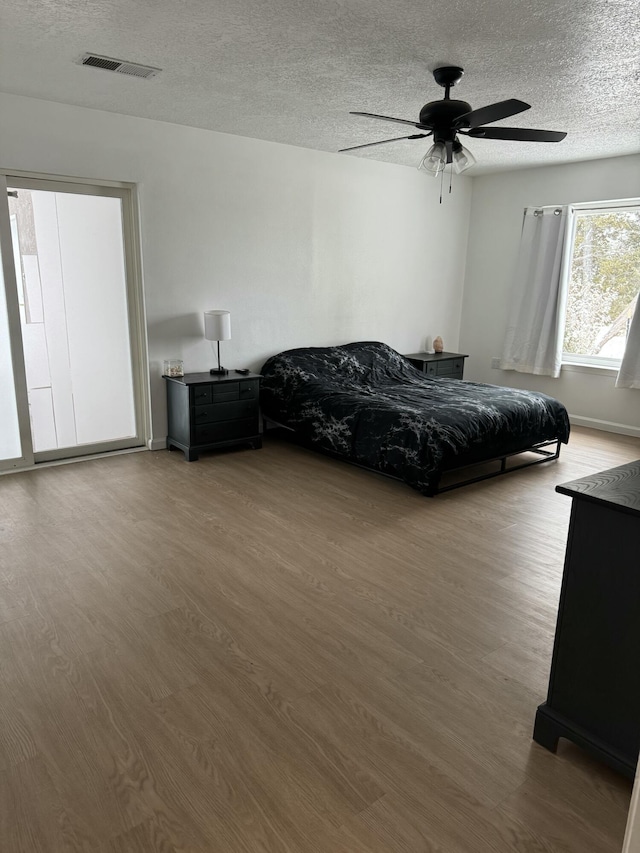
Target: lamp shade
{"points": [[217, 325], [434, 160], [463, 159]]}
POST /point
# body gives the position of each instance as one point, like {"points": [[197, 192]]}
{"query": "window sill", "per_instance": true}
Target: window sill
{"points": [[595, 369]]}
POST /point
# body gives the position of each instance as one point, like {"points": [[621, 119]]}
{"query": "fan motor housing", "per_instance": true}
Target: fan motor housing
{"points": [[440, 114]]}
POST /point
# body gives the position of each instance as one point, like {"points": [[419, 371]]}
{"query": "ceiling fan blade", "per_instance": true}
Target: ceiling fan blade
{"points": [[383, 141], [518, 134], [398, 120], [493, 112]]}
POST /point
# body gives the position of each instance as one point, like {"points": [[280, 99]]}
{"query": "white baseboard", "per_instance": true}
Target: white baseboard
{"points": [[576, 420], [606, 426]]}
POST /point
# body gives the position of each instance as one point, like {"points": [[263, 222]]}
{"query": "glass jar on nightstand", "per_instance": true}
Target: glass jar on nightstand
{"points": [[173, 367]]}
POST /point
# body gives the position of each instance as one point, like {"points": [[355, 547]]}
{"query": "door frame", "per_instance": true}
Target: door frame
{"points": [[127, 193], [15, 337]]}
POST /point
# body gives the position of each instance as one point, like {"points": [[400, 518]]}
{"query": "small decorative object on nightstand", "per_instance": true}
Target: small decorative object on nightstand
{"points": [[173, 367], [448, 365], [438, 344], [208, 412]]}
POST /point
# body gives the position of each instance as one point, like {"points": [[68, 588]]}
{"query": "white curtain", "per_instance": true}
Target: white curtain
{"points": [[629, 374], [535, 330]]}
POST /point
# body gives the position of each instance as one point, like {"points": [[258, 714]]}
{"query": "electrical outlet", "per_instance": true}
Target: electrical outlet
{"points": [[495, 364]]}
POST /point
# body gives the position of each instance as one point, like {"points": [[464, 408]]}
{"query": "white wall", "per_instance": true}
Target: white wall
{"points": [[496, 221], [303, 247]]}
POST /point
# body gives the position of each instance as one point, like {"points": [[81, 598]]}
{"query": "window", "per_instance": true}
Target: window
{"points": [[603, 285]]}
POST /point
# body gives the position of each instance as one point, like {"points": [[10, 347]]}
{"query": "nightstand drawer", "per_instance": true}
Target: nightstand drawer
{"points": [[224, 411], [451, 365], [226, 430], [200, 394], [249, 389], [225, 391], [431, 369]]}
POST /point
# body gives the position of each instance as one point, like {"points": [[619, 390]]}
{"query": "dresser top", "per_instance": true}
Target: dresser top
{"points": [[435, 356], [211, 378], [615, 487]]}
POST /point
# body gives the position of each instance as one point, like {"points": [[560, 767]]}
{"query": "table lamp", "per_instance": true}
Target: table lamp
{"points": [[217, 327]]}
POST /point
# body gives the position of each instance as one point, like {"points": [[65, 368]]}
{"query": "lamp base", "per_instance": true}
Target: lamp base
{"points": [[218, 371]]}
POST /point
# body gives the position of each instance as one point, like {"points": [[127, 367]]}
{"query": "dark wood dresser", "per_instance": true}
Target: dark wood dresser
{"points": [[594, 686], [448, 365], [206, 412]]}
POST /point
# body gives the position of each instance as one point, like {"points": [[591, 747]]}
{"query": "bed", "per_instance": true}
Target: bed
{"points": [[365, 403]]}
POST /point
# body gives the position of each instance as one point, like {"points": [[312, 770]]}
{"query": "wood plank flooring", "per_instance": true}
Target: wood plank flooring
{"points": [[272, 651]]}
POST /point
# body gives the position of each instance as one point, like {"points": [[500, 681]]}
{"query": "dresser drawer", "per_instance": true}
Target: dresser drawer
{"points": [[249, 389], [224, 411], [226, 430], [200, 394], [452, 367], [431, 368], [225, 391]]}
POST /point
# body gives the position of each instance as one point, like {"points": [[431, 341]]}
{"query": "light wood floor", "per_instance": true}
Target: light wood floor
{"points": [[272, 651]]}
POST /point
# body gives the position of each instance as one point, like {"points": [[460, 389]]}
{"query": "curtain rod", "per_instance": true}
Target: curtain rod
{"points": [[598, 205], [590, 205]]}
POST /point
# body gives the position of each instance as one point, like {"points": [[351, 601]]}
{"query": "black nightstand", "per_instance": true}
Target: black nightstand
{"points": [[449, 365], [206, 412]]}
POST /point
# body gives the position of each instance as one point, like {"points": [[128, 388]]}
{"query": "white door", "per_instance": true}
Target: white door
{"points": [[77, 312]]}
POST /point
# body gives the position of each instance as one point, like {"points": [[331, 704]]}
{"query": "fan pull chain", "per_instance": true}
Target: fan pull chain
{"points": [[441, 183], [450, 177]]}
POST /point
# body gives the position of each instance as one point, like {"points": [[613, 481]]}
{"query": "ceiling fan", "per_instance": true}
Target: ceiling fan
{"points": [[447, 118]]}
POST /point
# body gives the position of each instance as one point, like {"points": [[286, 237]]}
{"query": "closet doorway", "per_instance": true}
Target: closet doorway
{"points": [[73, 315]]}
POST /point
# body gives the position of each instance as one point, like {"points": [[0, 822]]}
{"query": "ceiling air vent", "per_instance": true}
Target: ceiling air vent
{"points": [[133, 69]]}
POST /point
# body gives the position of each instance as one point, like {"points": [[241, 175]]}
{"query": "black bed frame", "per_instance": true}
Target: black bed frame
{"points": [[541, 449]]}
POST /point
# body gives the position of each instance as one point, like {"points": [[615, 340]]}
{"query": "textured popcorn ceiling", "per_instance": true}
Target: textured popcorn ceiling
{"points": [[290, 70]]}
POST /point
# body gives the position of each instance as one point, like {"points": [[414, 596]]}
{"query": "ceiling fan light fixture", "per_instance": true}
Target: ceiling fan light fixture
{"points": [[434, 160], [463, 159], [446, 118]]}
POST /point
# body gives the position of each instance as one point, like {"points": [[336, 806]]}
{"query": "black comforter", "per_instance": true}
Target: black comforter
{"points": [[366, 403]]}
